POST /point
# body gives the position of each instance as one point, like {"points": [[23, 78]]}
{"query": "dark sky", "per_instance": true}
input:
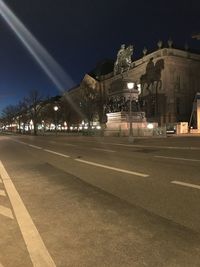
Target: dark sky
{"points": [[80, 33]]}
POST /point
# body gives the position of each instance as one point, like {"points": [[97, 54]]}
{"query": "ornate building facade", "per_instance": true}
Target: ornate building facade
{"points": [[168, 80]]}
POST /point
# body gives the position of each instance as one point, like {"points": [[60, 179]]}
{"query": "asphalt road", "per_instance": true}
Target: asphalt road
{"points": [[91, 201]]}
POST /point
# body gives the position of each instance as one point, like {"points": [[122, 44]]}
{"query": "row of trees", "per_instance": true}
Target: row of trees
{"points": [[86, 104]]}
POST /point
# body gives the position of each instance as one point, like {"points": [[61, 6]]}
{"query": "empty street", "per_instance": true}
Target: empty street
{"points": [[96, 201]]}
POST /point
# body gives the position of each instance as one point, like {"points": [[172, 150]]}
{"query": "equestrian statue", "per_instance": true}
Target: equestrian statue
{"points": [[124, 60]]}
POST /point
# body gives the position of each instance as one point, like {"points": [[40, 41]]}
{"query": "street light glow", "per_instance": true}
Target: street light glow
{"points": [[130, 85], [150, 126], [55, 108]]}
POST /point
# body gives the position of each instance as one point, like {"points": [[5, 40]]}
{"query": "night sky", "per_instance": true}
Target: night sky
{"points": [[80, 33]]}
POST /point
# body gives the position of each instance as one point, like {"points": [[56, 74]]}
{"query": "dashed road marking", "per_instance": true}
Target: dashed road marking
{"points": [[112, 168], [2, 193], [96, 164], [37, 147], [56, 153], [20, 142], [153, 146], [6, 212], [176, 158], [104, 150], [38, 252], [65, 144], [186, 184], [62, 144]]}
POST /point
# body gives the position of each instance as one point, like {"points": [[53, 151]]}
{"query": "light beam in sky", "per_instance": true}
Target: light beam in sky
{"points": [[53, 70], [39, 53]]}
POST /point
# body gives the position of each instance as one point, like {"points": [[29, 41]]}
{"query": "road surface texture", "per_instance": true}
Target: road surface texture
{"points": [[94, 201]]}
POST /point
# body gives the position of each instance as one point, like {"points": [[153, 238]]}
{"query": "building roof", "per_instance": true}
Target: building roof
{"points": [[102, 68]]}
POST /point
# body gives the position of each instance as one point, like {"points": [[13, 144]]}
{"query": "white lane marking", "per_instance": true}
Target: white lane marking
{"points": [[136, 146], [186, 184], [63, 144], [24, 143], [52, 142], [177, 158], [99, 165], [161, 147], [104, 150], [38, 252], [2, 193], [68, 144], [6, 212], [20, 142], [112, 168], [56, 153], [38, 147]]}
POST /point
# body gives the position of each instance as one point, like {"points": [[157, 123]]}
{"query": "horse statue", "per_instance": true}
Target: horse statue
{"points": [[124, 60], [152, 78]]}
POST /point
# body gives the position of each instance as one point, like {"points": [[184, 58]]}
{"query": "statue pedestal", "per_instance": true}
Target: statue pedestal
{"points": [[118, 123]]}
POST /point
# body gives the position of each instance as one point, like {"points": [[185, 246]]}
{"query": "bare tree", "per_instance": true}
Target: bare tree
{"points": [[22, 114], [88, 99], [48, 114], [67, 113], [8, 115], [35, 104]]}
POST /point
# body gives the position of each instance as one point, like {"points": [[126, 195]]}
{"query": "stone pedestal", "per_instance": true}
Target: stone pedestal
{"points": [[118, 123]]}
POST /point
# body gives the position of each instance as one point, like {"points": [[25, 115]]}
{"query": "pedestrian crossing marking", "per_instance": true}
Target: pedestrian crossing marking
{"points": [[6, 212], [2, 193]]}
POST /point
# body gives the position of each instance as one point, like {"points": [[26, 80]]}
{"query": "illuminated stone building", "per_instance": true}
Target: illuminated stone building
{"points": [[169, 79]]}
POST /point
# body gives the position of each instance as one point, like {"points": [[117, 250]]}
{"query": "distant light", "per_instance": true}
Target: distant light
{"points": [[139, 88], [55, 108], [130, 85], [71, 128], [150, 126], [85, 127], [98, 127]]}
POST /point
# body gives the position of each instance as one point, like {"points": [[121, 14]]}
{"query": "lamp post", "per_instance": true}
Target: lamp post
{"points": [[55, 109], [130, 86]]}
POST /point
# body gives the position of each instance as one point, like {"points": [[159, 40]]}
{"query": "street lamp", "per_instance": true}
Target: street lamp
{"points": [[130, 86], [55, 109]]}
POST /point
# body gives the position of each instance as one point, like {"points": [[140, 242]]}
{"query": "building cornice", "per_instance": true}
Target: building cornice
{"points": [[161, 53]]}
